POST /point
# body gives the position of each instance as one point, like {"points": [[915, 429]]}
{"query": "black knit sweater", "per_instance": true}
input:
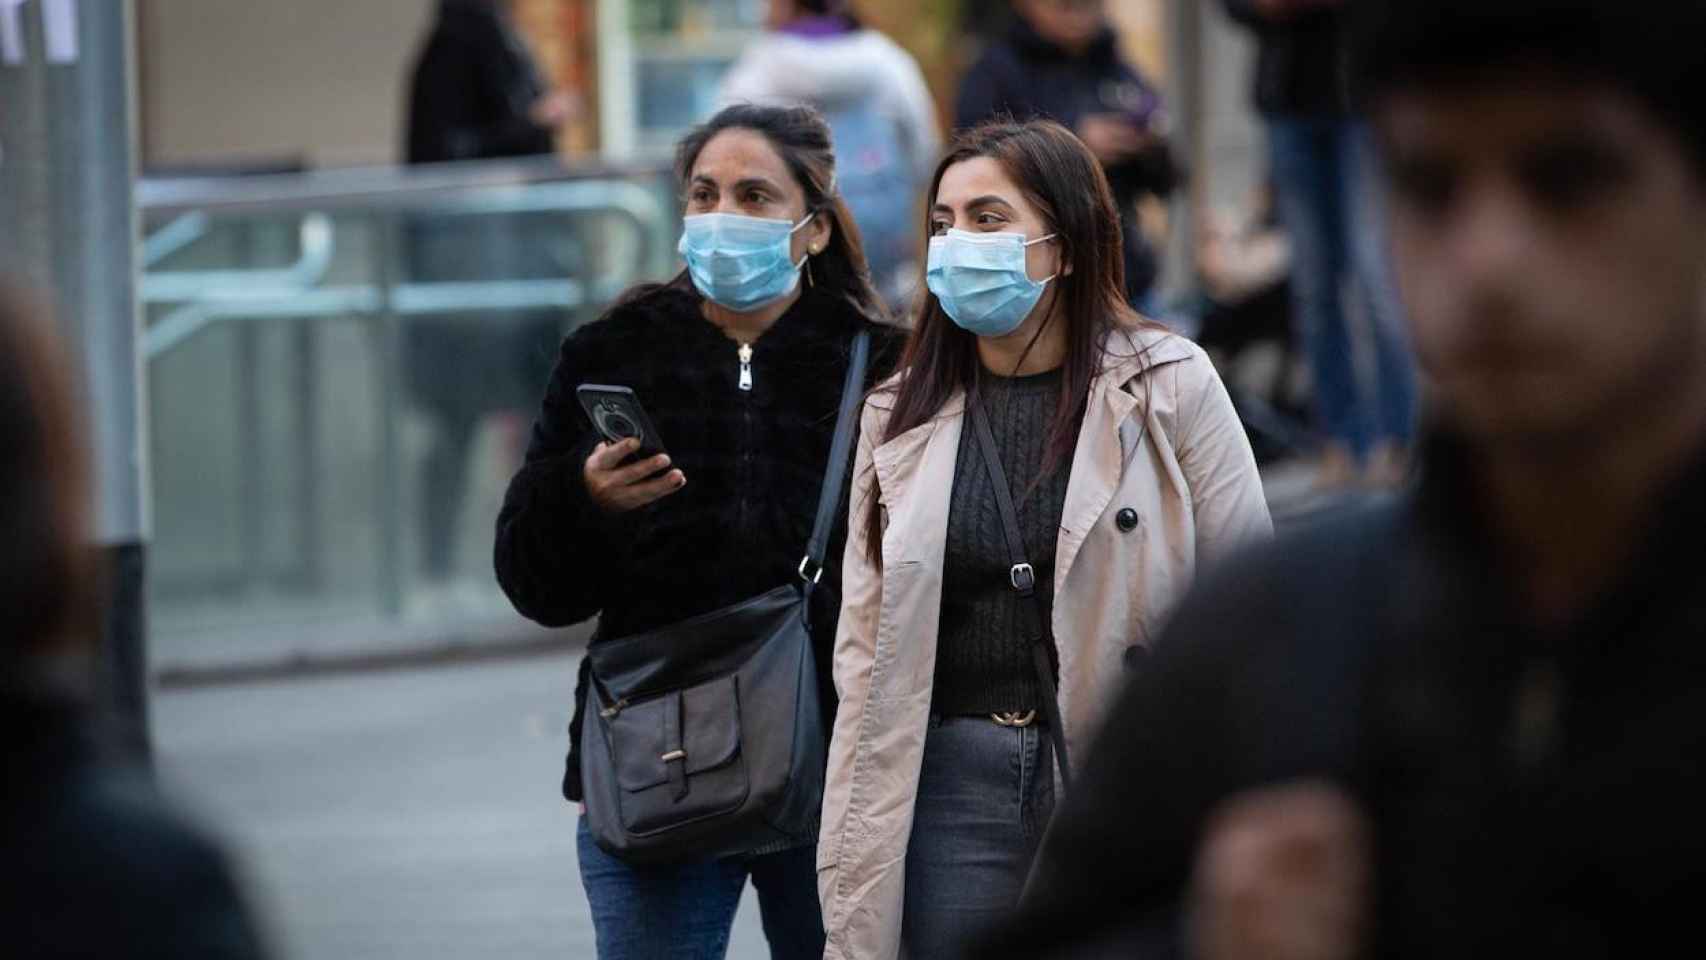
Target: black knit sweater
{"points": [[983, 653], [754, 462]]}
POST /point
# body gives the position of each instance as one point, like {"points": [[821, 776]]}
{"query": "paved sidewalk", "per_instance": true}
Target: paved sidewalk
{"points": [[409, 814]]}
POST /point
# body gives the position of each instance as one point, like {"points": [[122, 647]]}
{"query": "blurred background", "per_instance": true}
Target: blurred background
{"points": [[286, 260], [342, 335]]}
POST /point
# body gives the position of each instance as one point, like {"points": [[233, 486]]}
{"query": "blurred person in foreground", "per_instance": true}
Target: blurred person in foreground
{"points": [[1061, 59], [1468, 723], [475, 93], [96, 866], [1322, 158], [879, 108]]}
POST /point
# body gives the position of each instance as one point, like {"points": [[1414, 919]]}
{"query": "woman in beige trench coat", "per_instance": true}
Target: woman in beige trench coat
{"points": [[1128, 469]]}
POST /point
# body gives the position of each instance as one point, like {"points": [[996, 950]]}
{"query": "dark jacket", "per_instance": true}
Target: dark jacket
{"points": [[473, 87], [1300, 65], [754, 463], [1027, 76], [1532, 793], [96, 865]]}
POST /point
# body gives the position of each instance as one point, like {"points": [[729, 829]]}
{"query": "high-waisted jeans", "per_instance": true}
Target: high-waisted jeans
{"points": [[984, 796]]}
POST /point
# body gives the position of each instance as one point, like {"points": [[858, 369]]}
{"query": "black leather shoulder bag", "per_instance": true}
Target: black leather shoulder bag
{"points": [[705, 738]]}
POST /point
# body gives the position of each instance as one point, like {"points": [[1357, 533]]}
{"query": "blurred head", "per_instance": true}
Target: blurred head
{"points": [[780, 13], [1548, 173], [1072, 24], [46, 600], [1035, 179], [778, 163]]}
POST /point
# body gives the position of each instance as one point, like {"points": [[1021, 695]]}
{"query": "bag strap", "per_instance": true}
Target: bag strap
{"points": [[835, 473], [1024, 582]]}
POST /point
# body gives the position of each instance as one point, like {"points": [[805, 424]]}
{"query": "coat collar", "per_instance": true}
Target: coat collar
{"points": [[1132, 352], [1102, 453]]}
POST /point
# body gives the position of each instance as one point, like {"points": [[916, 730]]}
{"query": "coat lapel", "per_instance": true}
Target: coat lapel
{"points": [[915, 478], [1099, 461], [1098, 465]]}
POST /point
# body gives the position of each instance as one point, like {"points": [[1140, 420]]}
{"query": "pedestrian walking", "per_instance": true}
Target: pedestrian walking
{"points": [[737, 367], [1033, 492], [1321, 156]]}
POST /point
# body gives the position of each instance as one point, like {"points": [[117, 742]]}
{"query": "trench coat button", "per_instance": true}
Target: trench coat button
{"points": [[1126, 520], [1135, 657]]}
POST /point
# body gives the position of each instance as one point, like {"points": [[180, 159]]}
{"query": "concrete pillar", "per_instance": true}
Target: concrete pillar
{"points": [[68, 230]]}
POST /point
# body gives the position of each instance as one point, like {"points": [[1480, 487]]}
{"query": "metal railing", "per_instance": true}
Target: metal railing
{"points": [[265, 425]]}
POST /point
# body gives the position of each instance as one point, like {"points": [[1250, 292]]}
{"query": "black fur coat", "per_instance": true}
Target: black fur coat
{"points": [[754, 462]]}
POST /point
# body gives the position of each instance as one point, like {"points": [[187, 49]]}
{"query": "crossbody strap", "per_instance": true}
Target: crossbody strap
{"points": [[835, 473], [1023, 579]]}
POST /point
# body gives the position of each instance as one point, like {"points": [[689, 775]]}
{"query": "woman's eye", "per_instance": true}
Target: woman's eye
{"points": [[938, 228], [990, 220], [757, 198]]}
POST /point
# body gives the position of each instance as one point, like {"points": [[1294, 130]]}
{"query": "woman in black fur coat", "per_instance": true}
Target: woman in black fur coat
{"points": [[739, 361]]}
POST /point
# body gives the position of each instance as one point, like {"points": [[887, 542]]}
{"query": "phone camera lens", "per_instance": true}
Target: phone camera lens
{"points": [[615, 423]]}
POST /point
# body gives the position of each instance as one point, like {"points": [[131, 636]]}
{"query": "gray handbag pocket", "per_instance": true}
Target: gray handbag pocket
{"points": [[678, 757]]}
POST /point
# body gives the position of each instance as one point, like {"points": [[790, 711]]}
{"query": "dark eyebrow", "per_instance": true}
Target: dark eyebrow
{"points": [[986, 201], [745, 184], [759, 182]]}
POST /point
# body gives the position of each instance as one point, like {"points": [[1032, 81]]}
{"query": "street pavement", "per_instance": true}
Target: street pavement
{"points": [[404, 813]]}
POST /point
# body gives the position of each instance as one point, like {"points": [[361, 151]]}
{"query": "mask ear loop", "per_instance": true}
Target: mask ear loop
{"points": [[1045, 281], [805, 259]]}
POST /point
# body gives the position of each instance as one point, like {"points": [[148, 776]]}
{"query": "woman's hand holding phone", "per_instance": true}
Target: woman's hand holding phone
{"points": [[618, 488]]}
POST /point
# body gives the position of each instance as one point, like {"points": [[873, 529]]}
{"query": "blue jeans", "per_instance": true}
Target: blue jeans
{"points": [[1324, 181], [685, 911], [985, 793]]}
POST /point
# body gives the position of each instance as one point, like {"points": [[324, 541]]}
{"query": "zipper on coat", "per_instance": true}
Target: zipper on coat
{"points": [[744, 470]]}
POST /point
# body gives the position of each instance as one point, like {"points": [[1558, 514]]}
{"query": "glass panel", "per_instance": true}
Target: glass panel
{"points": [[680, 52], [339, 394]]}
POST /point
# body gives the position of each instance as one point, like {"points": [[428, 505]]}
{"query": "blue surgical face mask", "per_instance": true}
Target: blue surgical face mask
{"points": [[981, 281], [741, 263]]}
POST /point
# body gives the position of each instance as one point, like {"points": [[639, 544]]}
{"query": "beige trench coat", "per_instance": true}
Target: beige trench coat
{"points": [[1182, 463]]}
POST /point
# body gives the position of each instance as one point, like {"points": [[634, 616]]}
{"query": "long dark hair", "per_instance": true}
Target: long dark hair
{"points": [[46, 565], [1062, 179], [801, 136]]}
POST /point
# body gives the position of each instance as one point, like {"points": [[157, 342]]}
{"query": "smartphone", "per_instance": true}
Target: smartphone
{"points": [[616, 414]]}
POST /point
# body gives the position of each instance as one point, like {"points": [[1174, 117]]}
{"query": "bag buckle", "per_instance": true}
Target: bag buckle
{"points": [[816, 573], [1024, 578]]}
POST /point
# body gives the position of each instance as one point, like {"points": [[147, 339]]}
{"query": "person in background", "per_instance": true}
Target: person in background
{"points": [[96, 864], [879, 109], [1321, 160], [1245, 324], [1061, 59], [740, 363], [1467, 723], [475, 94], [1117, 443]]}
